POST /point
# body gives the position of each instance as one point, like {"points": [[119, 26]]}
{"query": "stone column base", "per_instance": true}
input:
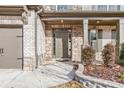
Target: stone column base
{"points": [[28, 64]]}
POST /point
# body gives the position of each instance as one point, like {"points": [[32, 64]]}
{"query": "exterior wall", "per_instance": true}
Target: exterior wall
{"points": [[48, 44], [106, 35], [77, 41], [11, 20], [40, 40], [45, 39], [28, 32], [29, 41], [29, 37], [106, 38]]}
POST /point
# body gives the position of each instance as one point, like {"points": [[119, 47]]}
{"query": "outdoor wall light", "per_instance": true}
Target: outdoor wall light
{"points": [[62, 21], [97, 21]]}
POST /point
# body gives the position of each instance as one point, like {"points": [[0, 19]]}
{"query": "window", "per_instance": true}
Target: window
{"points": [[92, 35], [92, 38], [63, 7], [113, 34], [122, 7], [102, 7], [86, 7], [114, 7]]}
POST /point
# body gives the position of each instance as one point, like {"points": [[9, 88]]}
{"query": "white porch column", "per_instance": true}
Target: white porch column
{"points": [[121, 24], [85, 30]]}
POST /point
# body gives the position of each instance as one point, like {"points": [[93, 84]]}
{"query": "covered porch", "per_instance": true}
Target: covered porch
{"points": [[96, 32]]}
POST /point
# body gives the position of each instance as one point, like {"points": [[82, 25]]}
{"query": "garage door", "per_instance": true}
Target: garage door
{"points": [[10, 48]]}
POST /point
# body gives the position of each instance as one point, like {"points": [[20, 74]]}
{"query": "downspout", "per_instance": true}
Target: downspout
{"points": [[36, 51], [36, 48]]}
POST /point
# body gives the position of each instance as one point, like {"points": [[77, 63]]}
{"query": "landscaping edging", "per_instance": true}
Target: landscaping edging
{"points": [[93, 82]]}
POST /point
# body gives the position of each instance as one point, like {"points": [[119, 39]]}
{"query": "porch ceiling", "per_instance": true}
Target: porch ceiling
{"points": [[103, 22], [83, 14], [65, 22], [80, 22]]}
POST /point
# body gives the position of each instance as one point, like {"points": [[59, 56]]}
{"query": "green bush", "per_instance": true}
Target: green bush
{"points": [[108, 54], [121, 62], [121, 76], [88, 55], [122, 51]]}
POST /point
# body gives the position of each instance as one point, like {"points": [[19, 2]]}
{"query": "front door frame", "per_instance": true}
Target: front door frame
{"points": [[70, 40]]}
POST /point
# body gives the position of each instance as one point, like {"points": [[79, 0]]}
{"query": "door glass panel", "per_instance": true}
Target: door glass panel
{"points": [[100, 34], [113, 36], [92, 37], [100, 37]]}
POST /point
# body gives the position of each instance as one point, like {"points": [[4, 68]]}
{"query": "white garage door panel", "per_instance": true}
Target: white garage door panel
{"points": [[12, 48]]}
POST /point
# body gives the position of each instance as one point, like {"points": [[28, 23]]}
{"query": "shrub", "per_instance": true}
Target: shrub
{"points": [[121, 62], [88, 55], [108, 54], [121, 76], [122, 51]]}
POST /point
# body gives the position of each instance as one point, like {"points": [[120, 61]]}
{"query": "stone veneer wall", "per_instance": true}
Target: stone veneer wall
{"points": [[29, 41], [48, 44], [40, 41], [77, 41]]}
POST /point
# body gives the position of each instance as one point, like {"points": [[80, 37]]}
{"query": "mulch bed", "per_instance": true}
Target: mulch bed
{"points": [[71, 84], [107, 73]]}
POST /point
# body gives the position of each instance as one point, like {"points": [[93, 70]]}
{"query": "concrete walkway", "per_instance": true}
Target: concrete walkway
{"points": [[43, 77]]}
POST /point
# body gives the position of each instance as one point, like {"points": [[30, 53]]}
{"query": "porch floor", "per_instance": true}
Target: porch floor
{"points": [[45, 76]]}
